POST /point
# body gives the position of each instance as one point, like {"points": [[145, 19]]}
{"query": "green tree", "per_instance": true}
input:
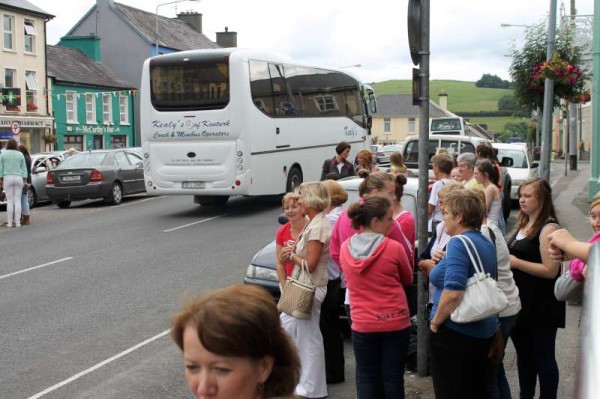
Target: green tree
{"points": [[523, 66], [519, 129], [492, 81], [510, 103]]}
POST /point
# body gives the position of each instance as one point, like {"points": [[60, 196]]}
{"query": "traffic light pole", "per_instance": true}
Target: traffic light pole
{"points": [[548, 100]]}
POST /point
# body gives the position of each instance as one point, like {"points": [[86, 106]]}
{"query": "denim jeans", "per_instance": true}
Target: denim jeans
{"points": [[499, 388], [536, 359], [380, 359]]}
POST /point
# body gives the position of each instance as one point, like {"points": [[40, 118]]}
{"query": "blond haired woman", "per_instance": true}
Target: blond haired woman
{"points": [[288, 234], [313, 248], [365, 161]]}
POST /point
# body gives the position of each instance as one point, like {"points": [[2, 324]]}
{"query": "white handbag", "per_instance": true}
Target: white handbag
{"points": [[482, 298]]}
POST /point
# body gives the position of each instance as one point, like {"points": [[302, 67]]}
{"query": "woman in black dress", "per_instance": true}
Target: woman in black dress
{"points": [[535, 272]]}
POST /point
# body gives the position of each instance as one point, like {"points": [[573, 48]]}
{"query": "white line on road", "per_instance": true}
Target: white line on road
{"points": [[191, 224], [36, 267], [97, 366]]}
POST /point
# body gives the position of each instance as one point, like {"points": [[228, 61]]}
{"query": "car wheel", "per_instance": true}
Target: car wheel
{"points": [[63, 204], [31, 197], [116, 194], [217, 201], [294, 180], [507, 202]]}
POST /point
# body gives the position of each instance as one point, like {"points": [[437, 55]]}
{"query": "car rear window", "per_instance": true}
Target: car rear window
{"points": [[84, 160]]}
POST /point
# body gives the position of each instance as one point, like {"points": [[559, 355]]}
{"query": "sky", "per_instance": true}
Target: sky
{"points": [[466, 39]]}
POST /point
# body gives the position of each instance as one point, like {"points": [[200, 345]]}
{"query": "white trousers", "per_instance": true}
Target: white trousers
{"points": [[306, 334], [13, 187]]}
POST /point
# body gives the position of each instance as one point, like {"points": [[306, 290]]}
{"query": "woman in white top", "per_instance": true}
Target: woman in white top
{"points": [[312, 247], [499, 387], [487, 175]]}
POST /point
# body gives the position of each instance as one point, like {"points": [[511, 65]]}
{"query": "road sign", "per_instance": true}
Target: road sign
{"points": [[15, 127]]}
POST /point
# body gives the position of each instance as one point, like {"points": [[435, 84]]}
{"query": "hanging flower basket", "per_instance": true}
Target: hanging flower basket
{"points": [[50, 138], [32, 107], [567, 79]]}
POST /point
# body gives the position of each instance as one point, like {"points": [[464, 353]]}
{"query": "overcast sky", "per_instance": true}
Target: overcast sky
{"points": [[466, 38]]}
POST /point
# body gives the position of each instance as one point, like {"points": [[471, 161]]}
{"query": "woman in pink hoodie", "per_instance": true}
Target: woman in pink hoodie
{"points": [[377, 269]]}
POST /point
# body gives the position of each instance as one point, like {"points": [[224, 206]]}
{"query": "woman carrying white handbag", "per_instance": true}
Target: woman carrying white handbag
{"points": [[459, 362]]}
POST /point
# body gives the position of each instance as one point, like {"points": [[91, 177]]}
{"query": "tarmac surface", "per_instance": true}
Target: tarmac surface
{"points": [[570, 200]]}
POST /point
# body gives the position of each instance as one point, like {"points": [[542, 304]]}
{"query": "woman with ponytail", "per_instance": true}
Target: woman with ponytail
{"points": [[377, 270]]}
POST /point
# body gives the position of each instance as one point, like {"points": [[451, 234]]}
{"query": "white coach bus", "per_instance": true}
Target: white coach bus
{"points": [[223, 122]]}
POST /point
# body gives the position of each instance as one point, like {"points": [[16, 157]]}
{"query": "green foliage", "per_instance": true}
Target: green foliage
{"points": [[492, 81], [522, 69], [510, 104]]}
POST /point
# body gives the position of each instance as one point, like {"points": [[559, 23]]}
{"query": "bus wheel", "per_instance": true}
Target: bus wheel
{"points": [[294, 180], [218, 201]]}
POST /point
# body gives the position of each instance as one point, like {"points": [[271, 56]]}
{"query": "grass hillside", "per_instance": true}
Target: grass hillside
{"points": [[462, 97]]}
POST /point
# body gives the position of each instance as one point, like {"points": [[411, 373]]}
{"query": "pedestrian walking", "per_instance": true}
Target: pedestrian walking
{"points": [[313, 249], [377, 269], [459, 351], [13, 175], [26, 215], [234, 346], [535, 273]]}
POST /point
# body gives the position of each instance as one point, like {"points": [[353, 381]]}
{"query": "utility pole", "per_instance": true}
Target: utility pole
{"points": [[572, 121], [548, 99], [594, 181], [418, 37]]}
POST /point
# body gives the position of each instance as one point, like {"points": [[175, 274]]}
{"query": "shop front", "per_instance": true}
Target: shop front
{"points": [[95, 137], [26, 130]]}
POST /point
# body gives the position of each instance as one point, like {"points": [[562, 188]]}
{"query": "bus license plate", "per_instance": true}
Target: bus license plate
{"points": [[192, 184]]}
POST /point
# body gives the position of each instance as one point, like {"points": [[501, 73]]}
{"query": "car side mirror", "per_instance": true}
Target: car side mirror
{"points": [[39, 169], [507, 162], [534, 165]]}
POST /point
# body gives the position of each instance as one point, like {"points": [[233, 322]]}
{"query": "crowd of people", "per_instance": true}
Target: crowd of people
{"points": [[236, 344]]}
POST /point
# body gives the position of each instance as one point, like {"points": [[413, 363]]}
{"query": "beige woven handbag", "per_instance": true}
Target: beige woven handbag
{"points": [[298, 294]]}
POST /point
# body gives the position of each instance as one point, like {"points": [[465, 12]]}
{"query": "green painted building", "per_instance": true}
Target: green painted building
{"points": [[92, 107]]}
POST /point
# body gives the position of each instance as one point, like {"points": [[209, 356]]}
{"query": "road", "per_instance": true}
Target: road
{"points": [[86, 293], [84, 285]]}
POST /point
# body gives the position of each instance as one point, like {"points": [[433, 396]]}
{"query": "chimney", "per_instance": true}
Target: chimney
{"points": [[227, 39], [443, 101], [89, 45], [193, 19]]}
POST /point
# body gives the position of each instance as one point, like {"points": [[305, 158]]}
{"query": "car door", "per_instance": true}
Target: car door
{"points": [[138, 165], [125, 172]]}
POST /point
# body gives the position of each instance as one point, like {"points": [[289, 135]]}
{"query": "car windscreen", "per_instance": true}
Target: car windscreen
{"points": [[518, 157], [84, 160], [192, 83]]}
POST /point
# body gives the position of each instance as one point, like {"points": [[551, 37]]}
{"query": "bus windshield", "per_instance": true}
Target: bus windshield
{"points": [[195, 84]]}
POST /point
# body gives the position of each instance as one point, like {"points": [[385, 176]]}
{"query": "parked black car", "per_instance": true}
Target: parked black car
{"points": [[107, 174]]}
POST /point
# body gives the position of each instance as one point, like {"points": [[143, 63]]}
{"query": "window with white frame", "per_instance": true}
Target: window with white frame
{"points": [[412, 125], [10, 77], [326, 103], [124, 109], [90, 108], [71, 100], [8, 30], [107, 108], [387, 125], [31, 94], [29, 38]]}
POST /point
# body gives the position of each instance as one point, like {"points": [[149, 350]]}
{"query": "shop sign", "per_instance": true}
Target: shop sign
{"points": [[26, 123], [86, 129], [15, 128]]}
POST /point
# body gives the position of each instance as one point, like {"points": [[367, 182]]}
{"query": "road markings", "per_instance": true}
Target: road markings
{"points": [[36, 267], [192, 224], [97, 366]]}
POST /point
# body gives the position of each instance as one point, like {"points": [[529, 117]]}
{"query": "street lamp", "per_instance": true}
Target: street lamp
{"points": [[164, 4]]}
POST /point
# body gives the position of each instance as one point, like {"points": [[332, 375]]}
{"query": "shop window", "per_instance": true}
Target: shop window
{"points": [[387, 125], [107, 108], [75, 141], [412, 125], [118, 141]]}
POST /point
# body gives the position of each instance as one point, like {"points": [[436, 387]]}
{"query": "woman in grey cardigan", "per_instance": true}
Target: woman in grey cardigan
{"points": [[13, 176]]}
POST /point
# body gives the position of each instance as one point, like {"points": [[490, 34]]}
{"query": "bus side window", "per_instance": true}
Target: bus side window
{"points": [[260, 86]]}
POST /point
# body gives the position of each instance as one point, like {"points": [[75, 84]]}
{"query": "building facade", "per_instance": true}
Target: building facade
{"points": [[92, 107], [24, 109]]}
